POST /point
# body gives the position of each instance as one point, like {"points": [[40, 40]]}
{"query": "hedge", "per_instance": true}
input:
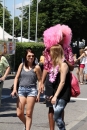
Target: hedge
{"points": [[16, 59]]}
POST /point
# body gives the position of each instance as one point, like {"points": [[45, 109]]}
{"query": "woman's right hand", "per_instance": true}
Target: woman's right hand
{"points": [[14, 93], [41, 88]]}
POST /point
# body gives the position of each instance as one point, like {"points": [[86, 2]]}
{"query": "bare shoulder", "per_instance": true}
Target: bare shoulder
{"points": [[64, 66], [21, 65], [37, 67]]}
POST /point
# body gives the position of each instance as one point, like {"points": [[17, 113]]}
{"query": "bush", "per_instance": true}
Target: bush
{"points": [[20, 50]]}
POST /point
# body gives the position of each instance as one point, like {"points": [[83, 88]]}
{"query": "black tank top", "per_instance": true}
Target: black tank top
{"points": [[66, 91]]}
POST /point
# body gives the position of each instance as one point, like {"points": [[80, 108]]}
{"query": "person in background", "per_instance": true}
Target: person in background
{"points": [[4, 71], [80, 69], [28, 73], [85, 69], [36, 61], [41, 62], [74, 57], [60, 83], [58, 34]]}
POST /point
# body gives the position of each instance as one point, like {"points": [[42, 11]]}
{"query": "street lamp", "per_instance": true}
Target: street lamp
{"points": [[22, 21], [36, 20], [13, 18], [29, 23], [3, 17]]}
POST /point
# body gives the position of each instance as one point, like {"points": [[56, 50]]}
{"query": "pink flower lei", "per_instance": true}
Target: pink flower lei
{"points": [[53, 72]]}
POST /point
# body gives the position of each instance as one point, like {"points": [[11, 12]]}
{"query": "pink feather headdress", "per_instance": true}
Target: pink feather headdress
{"points": [[52, 36], [55, 34], [67, 35]]}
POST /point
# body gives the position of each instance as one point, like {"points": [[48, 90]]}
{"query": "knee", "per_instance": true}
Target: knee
{"points": [[60, 123], [58, 114], [28, 114], [77, 72], [20, 113]]}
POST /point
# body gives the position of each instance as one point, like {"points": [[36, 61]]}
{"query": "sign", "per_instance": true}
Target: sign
{"points": [[7, 47]]}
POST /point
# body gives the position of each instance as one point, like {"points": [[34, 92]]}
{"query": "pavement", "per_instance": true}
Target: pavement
{"points": [[75, 111]]}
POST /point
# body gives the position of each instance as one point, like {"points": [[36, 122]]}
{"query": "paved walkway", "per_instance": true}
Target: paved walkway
{"points": [[75, 112]]}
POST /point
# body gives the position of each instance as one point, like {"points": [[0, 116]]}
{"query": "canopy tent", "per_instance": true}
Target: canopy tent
{"points": [[24, 39], [7, 36]]}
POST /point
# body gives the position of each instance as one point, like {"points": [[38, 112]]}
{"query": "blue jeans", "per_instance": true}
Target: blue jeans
{"points": [[58, 110]]}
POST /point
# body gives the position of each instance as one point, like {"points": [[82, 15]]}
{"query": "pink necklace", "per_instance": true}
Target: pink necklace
{"points": [[53, 72]]}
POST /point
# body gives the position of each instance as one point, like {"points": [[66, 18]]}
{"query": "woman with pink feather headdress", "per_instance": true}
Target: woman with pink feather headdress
{"points": [[58, 34]]}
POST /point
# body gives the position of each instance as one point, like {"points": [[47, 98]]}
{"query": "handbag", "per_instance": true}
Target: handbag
{"points": [[75, 89], [12, 87]]}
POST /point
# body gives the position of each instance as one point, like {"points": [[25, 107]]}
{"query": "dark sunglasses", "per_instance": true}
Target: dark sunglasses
{"points": [[30, 56]]}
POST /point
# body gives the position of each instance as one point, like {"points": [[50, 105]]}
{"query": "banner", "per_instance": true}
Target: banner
{"points": [[7, 47]]}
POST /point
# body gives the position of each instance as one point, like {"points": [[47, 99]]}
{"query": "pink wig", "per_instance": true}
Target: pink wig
{"points": [[52, 36], [67, 33]]}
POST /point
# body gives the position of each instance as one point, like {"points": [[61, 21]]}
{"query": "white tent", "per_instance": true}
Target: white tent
{"points": [[7, 36], [24, 40]]}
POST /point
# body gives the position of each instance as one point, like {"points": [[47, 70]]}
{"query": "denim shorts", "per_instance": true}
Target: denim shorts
{"points": [[27, 91]]}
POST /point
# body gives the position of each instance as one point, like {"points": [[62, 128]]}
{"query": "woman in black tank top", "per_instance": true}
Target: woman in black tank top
{"points": [[59, 76], [28, 73]]}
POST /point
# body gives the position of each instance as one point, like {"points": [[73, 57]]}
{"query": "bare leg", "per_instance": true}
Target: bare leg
{"points": [[81, 75], [50, 117], [20, 108], [78, 75], [29, 111]]}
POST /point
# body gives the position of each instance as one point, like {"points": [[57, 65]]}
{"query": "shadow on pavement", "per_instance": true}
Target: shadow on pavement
{"points": [[10, 77], [6, 91], [8, 115]]}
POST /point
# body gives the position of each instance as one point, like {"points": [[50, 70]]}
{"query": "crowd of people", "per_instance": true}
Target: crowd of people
{"points": [[53, 75]]}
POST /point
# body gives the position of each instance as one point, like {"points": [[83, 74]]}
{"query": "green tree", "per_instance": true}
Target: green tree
{"points": [[51, 12], [8, 22]]}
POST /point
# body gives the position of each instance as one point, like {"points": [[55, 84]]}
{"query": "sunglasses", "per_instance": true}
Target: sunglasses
{"points": [[30, 56]]}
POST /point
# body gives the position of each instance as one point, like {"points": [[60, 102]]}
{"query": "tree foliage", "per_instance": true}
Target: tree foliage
{"points": [[7, 19], [50, 12]]}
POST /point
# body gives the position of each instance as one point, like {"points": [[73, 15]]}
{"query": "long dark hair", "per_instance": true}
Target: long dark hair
{"points": [[26, 52]]}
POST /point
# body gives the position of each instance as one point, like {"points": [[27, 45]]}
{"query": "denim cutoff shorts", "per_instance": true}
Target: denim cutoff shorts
{"points": [[26, 91]]}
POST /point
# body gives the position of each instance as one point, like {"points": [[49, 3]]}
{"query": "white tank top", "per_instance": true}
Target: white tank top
{"points": [[82, 60]]}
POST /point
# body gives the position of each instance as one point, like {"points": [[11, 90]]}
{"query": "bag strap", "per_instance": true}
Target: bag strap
{"points": [[21, 69], [67, 64]]}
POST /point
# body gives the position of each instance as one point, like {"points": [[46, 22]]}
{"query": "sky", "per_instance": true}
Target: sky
{"points": [[10, 5]]}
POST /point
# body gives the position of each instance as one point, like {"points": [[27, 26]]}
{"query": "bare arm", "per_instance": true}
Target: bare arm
{"points": [[44, 75], [43, 80], [39, 75], [83, 55], [16, 79], [6, 72]]}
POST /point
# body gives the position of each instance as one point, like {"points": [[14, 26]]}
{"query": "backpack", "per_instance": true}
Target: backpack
{"points": [[75, 89]]}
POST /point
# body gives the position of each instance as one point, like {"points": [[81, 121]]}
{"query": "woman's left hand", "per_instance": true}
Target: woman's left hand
{"points": [[38, 98], [2, 78], [53, 101]]}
